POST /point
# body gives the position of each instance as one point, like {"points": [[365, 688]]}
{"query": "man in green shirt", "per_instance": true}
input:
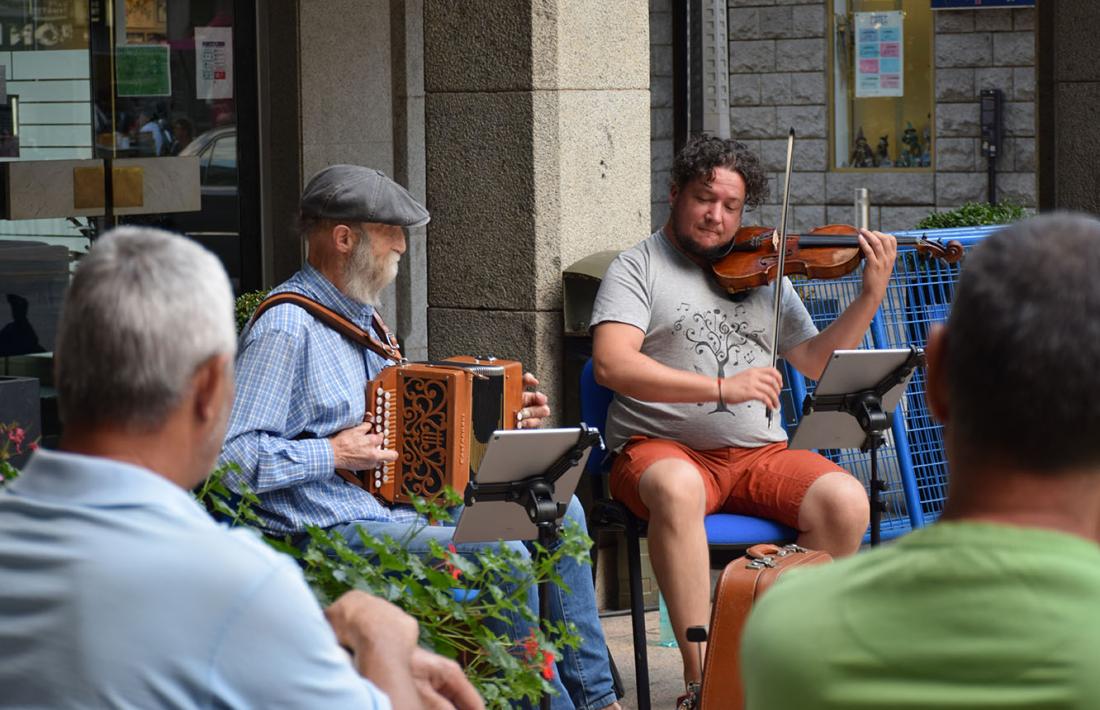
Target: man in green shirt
{"points": [[998, 605]]}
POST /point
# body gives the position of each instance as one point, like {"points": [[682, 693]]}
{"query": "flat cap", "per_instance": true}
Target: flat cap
{"points": [[358, 194]]}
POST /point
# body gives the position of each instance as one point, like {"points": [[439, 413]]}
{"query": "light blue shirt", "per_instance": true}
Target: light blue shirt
{"points": [[118, 590], [296, 376]]}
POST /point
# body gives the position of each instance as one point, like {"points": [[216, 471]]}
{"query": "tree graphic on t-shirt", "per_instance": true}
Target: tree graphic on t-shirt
{"points": [[713, 333]]}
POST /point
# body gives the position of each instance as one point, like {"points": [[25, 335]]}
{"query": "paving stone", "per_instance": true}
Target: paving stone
{"points": [[1024, 149], [660, 28], [1020, 188], [993, 78], [896, 219], [660, 92], [775, 88], [660, 61], [661, 123]]}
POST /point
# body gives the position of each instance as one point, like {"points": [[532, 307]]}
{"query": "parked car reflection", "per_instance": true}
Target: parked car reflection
{"points": [[217, 225]]}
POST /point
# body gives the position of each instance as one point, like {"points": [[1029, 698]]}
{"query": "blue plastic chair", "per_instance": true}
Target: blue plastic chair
{"points": [[724, 530]]}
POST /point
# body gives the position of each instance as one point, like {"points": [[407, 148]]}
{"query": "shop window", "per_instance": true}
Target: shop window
{"points": [[882, 98]]}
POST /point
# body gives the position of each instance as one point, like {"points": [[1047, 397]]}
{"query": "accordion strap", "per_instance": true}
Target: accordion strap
{"points": [[387, 347]]}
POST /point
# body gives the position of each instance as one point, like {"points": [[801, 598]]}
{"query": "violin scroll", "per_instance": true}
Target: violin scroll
{"points": [[951, 253]]}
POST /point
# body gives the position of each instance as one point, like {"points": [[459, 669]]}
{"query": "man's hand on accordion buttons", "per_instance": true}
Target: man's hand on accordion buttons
{"points": [[535, 407], [359, 449]]}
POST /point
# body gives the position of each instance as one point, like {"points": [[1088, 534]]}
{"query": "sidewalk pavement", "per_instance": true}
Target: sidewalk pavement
{"points": [[666, 679]]}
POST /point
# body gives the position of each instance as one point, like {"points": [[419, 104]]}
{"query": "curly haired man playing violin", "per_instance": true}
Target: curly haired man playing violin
{"points": [[689, 366]]}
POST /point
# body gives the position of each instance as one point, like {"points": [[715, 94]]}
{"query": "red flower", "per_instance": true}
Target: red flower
{"points": [[17, 435], [548, 665], [33, 446], [531, 646], [452, 569]]}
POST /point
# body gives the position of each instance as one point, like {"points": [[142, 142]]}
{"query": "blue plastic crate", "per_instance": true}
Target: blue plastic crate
{"points": [[912, 461]]}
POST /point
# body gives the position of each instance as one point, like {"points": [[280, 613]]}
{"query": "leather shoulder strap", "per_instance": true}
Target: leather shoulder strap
{"points": [[337, 322]]}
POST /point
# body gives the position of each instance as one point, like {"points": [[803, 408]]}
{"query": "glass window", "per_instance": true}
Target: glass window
{"points": [[882, 100], [222, 168]]}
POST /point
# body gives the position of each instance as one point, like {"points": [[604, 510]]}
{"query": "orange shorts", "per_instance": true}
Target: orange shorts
{"points": [[767, 482]]}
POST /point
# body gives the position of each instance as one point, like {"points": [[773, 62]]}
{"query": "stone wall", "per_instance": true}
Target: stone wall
{"points": [[779, 79]]}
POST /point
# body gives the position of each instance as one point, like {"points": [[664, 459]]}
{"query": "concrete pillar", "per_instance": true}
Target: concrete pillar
{"points": [[407, 61], [1069, 91], [537, 139]]}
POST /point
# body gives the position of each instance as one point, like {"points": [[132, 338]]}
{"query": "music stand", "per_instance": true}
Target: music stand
{"points": [[851, 408], [521, 491]]}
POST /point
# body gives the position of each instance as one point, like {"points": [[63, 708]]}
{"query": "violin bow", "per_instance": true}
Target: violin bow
{"points": [[779, 239]]}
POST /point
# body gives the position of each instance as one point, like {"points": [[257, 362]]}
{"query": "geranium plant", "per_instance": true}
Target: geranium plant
{"points": [[452, 597]]}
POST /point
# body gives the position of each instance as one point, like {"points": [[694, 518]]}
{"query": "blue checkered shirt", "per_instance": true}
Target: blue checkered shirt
{"points": [[297, 376]]}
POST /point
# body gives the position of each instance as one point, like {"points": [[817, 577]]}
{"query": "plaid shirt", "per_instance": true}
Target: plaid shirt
{"points": [[296, 375]]}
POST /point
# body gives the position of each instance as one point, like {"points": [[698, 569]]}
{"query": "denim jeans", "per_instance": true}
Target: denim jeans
{"points": [[583, 677]]}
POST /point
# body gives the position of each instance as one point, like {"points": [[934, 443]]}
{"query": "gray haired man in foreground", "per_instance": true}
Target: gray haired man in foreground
{"points": [[118, 589]]}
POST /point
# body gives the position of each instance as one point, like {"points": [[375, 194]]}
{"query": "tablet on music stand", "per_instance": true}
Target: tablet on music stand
{"points": [[516, 455], [849, 371]]}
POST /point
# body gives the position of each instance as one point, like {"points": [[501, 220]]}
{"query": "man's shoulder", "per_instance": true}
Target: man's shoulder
{"points": [[288, 318]]}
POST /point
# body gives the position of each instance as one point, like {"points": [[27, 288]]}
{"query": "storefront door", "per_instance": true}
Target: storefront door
{"points": [[118, 112]]}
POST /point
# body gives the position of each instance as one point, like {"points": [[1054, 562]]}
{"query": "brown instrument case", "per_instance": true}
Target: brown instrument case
{"points": [[741, 584]]}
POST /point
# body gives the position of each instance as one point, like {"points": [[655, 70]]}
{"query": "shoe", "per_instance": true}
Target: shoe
{"points": [[690, 699]]}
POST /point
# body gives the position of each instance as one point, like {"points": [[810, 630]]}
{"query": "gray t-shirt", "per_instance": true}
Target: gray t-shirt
{"points": [[691, 323]]}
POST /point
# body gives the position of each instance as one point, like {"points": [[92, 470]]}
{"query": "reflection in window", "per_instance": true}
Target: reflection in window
{"points": [[882, 84], [222, 168]]}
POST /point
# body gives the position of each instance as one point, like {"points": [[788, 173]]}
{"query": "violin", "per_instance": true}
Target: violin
{"points": [[827, 252]]}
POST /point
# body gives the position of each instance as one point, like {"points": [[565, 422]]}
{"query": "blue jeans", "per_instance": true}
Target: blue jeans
{"points": [[583, 677]]}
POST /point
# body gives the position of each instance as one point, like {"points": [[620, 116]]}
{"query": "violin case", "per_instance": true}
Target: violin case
{"points": [[741, 584]]}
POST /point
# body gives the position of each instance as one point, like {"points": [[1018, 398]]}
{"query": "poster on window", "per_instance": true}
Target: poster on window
{"points": [[878, 54], [214, 62]]}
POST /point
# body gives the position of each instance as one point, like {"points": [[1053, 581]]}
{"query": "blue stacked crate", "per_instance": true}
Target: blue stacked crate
{"points": [[912, 461]]}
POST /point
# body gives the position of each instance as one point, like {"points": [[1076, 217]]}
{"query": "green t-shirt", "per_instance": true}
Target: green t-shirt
{"points": [[957, 615]]}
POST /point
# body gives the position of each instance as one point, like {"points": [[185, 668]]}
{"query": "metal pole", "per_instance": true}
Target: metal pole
{"points": [[862, 212]]}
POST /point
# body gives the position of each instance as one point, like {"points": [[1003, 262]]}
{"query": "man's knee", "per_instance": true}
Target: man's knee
{"points": [[837, 501], [673, 487]]}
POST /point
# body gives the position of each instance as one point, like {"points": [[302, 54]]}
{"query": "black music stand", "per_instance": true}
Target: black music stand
{"points": [[524, 469], [864, 385]]}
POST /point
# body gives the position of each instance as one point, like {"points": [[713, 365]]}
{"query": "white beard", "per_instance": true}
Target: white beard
{"points": [[365, 276]]}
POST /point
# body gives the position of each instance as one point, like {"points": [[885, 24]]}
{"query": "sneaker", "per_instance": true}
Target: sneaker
{"points": [[690, 699]]}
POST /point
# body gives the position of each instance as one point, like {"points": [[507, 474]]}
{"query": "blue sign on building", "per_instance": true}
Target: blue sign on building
{"points": [[978, 4]]}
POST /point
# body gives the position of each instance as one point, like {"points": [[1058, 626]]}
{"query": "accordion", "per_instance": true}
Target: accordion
{"points": [[438, 416]]}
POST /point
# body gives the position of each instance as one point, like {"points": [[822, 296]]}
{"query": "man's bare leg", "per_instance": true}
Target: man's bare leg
{"points": [[834, 514], [672, 489]]}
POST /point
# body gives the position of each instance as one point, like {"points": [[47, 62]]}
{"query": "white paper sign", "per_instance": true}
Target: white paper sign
{"points": [[879, 54], [214, 62]]}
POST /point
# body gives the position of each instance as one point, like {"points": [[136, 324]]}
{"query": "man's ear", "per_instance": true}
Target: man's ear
{"points": [[213, 388], [344, 239], [936, 390], [673, 191]]}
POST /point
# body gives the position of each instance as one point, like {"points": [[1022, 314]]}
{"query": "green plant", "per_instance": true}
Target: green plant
{"points": [[974, 214], [451, 597], [246, 305]]}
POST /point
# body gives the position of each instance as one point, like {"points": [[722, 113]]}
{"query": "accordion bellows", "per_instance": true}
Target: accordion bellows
{"points": [[438, 416]]}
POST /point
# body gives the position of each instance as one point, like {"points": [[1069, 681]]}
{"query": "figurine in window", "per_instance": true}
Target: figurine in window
{"points": [[882, 153], [861, 156], [911, 154]]}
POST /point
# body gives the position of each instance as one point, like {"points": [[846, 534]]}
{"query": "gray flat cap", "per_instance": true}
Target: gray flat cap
{"points": [[358, 194]]}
